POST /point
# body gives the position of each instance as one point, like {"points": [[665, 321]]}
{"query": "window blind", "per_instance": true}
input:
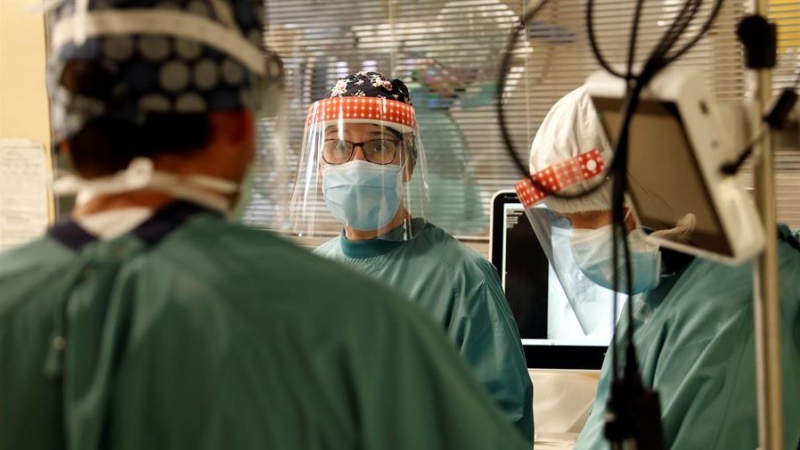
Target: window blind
{"points": [[786, 14], [419, 40]]}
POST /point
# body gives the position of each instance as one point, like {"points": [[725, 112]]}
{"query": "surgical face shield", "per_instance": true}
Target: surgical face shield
{"points": [[591, 304], [362, 167]]}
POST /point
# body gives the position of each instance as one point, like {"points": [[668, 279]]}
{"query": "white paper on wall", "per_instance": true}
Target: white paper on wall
{"points": [[24, 191]]}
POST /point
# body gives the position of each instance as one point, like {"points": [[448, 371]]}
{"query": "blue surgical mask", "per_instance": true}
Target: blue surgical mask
{"points": [[592, 250], [363, 195]]}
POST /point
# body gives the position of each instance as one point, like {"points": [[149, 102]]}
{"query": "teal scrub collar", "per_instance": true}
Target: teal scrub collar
{"points": [[379, 246]]}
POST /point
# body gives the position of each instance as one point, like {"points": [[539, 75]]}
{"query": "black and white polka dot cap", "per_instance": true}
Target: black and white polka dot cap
{"points": [[158, 56]]}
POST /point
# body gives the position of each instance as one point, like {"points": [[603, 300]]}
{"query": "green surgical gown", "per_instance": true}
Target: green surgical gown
{"points": [[462, 292], [194, 333], [695, 342]]}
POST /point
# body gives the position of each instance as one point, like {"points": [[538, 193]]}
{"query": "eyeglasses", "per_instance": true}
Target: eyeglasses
{"points": [[377, 151]]}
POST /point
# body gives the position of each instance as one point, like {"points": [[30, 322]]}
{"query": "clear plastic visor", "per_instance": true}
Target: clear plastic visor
{"points": [[362, 169]]}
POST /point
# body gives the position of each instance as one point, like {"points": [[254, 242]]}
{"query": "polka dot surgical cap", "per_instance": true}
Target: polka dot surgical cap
{"points": [[153, 56]]}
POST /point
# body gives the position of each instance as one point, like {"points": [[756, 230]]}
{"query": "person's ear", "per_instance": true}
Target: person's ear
{"points": [[233, 141], [233, 128]]}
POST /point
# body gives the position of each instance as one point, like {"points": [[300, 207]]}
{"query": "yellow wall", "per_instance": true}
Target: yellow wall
{"points": [[24, 109], [786, 13]]}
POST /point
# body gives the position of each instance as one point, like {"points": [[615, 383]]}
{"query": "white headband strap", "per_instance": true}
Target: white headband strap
{"points": [[85, 25]]}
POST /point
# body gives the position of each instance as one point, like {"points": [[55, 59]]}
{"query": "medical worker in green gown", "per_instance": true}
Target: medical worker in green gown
{"points": [[693, 319], [363, 163], [149, 320]]}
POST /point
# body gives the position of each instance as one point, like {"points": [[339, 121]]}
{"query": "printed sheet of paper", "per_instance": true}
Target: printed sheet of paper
{"points": [[24, 191]]}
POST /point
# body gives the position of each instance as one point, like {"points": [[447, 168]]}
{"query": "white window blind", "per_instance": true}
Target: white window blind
{"points": [[786, 14], [322, 40]]}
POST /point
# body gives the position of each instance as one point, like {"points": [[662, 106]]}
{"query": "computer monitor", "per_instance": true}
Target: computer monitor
{"points": [[554, 335]]}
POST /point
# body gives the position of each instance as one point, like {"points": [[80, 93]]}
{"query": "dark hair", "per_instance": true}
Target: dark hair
{"points": [[106, 145]]}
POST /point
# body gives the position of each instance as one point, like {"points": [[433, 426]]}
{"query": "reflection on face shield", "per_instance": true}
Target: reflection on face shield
{"points": [[593, 253], [590, 302]]}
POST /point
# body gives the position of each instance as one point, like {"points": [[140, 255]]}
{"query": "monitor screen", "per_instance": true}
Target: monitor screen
{"points": [[556, 333]]}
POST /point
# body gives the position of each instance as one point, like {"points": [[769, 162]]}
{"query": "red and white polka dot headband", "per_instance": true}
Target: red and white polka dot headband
{"points": [[375, 110], [560, 176]]}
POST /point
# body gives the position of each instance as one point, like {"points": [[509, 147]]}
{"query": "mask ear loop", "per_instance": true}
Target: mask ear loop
{"points": [[141, 175]]}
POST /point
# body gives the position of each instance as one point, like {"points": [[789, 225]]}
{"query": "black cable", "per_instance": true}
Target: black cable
{"points": [[631, 389], [633, 38], [593, 41], [621, 425], [733, 167], [618, 213], [615, 235], [618, 220], [703, 31], [502, 78], [675, 29], [678, 27], [658, 57], [656, 62], [618, 169], [775, 119]]}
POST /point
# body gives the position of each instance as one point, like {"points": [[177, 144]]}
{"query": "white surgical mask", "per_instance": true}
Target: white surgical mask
{"points": [[210, 192], [592, 250]]}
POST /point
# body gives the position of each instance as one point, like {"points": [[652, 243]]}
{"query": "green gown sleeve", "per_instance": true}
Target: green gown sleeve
{"points": [[484, 330]]}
